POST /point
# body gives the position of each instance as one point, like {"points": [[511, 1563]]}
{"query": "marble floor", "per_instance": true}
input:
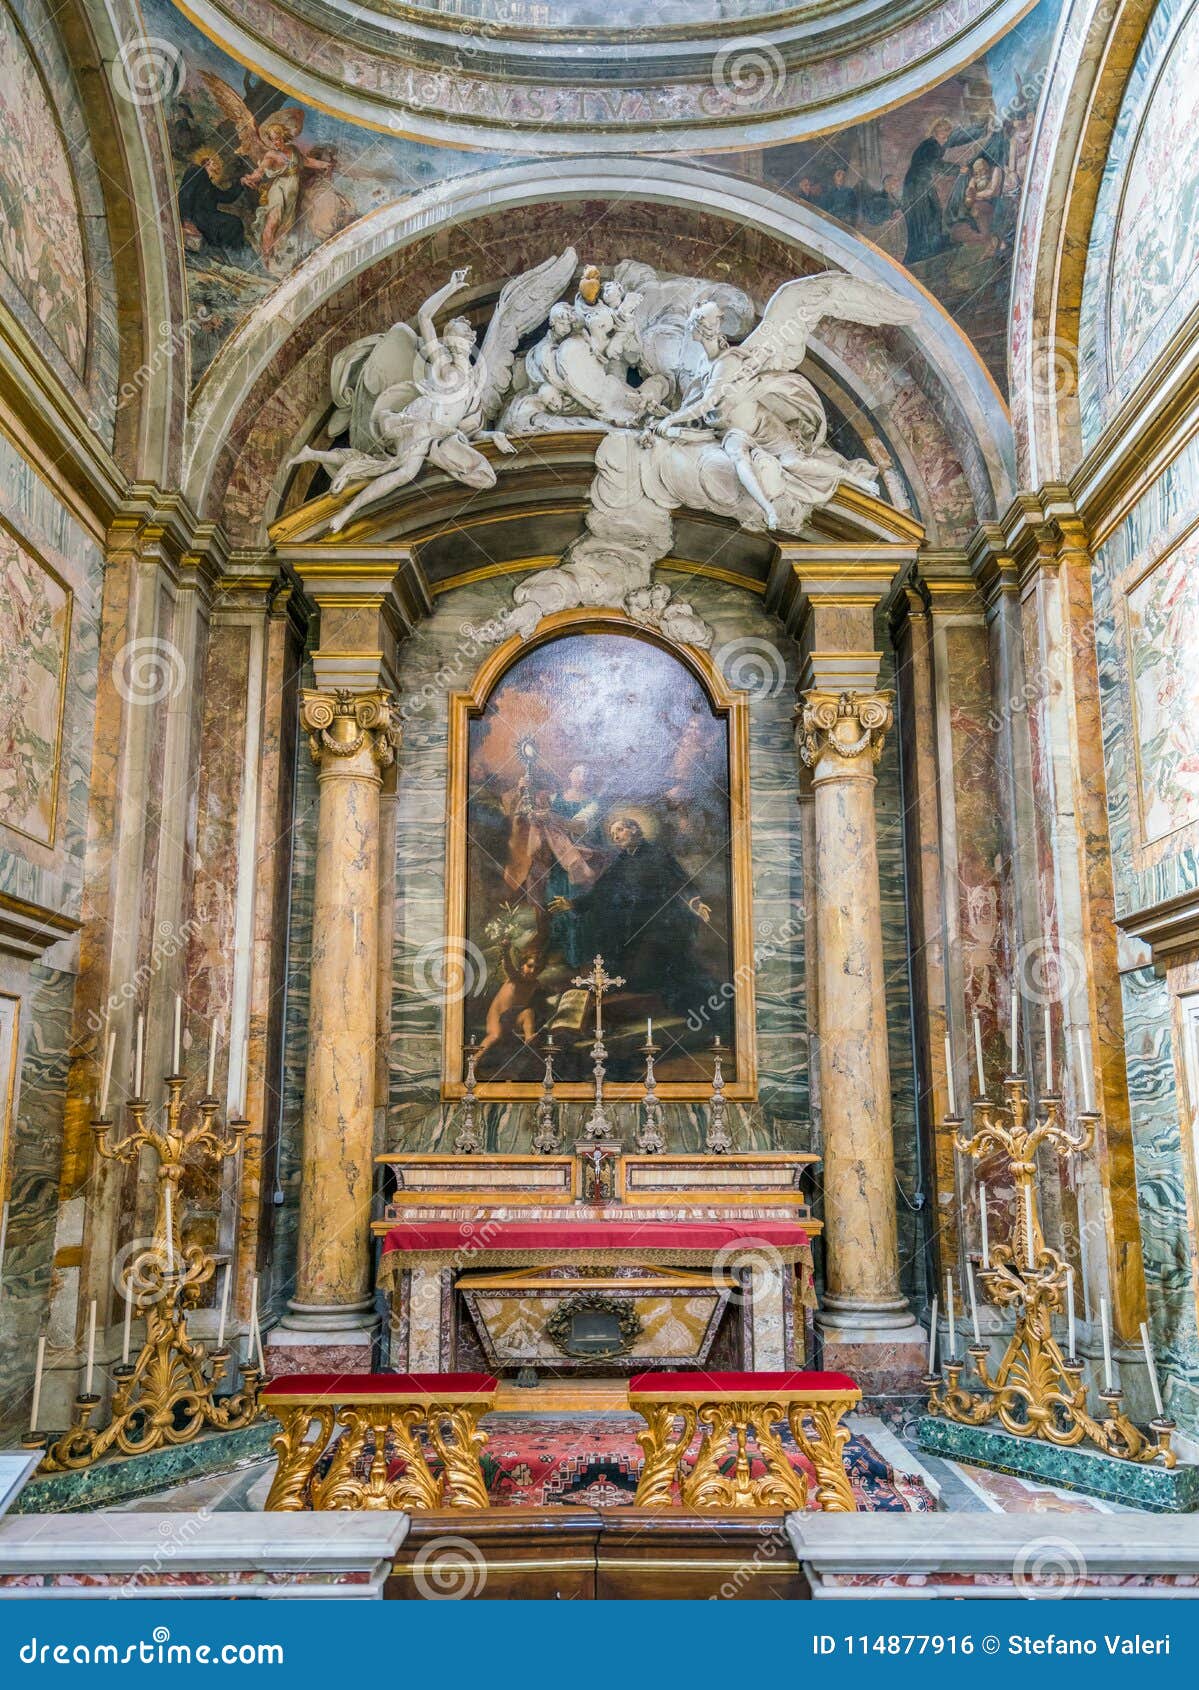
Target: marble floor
{"points": [[958, 1488]]}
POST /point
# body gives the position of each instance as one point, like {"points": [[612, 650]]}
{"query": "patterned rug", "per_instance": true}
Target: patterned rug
{"points": [[594, 1460]]}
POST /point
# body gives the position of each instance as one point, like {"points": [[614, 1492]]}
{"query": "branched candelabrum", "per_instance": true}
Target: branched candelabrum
{"points": [[650, 1139], [168, 1393], [468, 1142], [547, 1140], [1036, 1391]]}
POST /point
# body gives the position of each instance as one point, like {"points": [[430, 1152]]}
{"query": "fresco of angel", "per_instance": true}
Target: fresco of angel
{"points": [[412, 396], [298, 203], [767, 418]]}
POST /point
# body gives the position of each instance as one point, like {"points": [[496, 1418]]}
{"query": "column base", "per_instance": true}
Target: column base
{"points": [[885, 1361], [324, 1338]]}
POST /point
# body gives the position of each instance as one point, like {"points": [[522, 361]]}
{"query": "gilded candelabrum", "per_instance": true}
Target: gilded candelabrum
{"points": [[1037, 1391], [168, 1393]]}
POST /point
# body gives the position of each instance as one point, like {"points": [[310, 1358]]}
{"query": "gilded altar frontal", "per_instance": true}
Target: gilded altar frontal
{"points": [[599, 799]]}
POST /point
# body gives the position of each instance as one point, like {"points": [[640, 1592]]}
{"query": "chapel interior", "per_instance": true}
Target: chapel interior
{"points": [[599, 796]]}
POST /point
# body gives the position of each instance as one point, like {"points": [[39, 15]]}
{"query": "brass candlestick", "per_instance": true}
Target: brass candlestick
{"points": [[168, 1394], [1037, 1391]]}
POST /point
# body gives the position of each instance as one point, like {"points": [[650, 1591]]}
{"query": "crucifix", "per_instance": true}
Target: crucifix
{"points": [[598, 1126]]}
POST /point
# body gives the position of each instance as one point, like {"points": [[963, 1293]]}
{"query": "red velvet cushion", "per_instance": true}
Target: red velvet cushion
{"points": [[379, 1384], [473, 1236], [689, 1384]]}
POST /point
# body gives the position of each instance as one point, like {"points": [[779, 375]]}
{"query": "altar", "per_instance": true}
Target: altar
{"points": [[497, 1263]]}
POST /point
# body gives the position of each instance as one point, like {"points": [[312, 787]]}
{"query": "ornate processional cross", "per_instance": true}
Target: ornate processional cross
{"points": [[599, 983]]}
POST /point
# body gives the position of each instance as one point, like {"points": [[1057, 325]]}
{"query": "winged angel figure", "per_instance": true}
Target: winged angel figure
{"points": [[412, 396], [767, 419]]}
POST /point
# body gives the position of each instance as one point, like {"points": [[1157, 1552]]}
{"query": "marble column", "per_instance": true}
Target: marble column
{"points": [[353, 738], [840, 740]]}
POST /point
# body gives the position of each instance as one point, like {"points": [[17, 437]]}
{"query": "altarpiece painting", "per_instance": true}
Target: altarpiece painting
{"points": [[600, 785]]}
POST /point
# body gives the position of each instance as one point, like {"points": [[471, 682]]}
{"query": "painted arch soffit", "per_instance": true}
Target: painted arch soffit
{"points": [[715, 74], [940, 358]]}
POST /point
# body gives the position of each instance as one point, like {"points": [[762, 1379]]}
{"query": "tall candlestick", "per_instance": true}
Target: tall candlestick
{"points": [[953, 1335], [1031, 1245], [1152, 1366], [91, 1349], [170, 1229], [139, 1052], [1071, 1344], [978, 1057], [1088, 1096], [126, 1327], [1049, 1049], [106, 1076], [953, 1101], [213, 1034], [932, 1338], [253, 1318], [982, 1217], [978, 1337], [220, 1330], [1014, 1031], [177, 1042], [37, 1382], [1105, 1321]]}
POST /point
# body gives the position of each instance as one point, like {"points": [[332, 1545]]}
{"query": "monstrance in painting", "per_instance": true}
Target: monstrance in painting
{"points": [[605, 816]]}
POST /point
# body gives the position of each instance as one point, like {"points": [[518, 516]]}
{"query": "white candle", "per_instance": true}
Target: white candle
{"points": [[210, 1083], [1152, 1366], [978, 1337], [125, 1330], [170, 1229], [253, 1318], [245, 1076], [1071, 1345], [953, 1101], [91, 1349], [258, 1346], [1088, 1096], [1014, 1033], [139, 1052], [953, 1336], [649, 1030], [978, 1057], [1105, 1322], [106, 1076], [220, 1331], [1048, 1049], [37, 1382], [1032, 1246], [982, 1216], [177, 1045], [932, 1339]]}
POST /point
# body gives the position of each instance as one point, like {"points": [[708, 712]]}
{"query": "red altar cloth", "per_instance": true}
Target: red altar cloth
{"points": [[496, 1243]]}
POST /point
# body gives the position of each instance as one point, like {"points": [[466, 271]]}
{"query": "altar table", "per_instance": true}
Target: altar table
{"points": [[700, 1262]]}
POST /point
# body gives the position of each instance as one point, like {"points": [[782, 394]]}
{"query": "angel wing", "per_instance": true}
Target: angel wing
{"points": [[523, 303], [235, 109], [365, 369], [780, 340]]}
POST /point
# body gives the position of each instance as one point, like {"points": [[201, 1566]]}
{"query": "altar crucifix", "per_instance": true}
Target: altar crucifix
{"points": [[597, 983]]}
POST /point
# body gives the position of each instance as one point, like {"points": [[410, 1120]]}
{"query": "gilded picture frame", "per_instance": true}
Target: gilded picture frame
{"points": [[730, 709]]}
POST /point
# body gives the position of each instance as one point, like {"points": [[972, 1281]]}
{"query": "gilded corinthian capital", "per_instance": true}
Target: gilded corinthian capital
{"points": [[847, 724], [341, 724]]}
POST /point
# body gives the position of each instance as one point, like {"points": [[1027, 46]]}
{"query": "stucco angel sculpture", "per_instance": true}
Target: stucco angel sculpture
{"points": [[768, 419], [410, 397]]}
